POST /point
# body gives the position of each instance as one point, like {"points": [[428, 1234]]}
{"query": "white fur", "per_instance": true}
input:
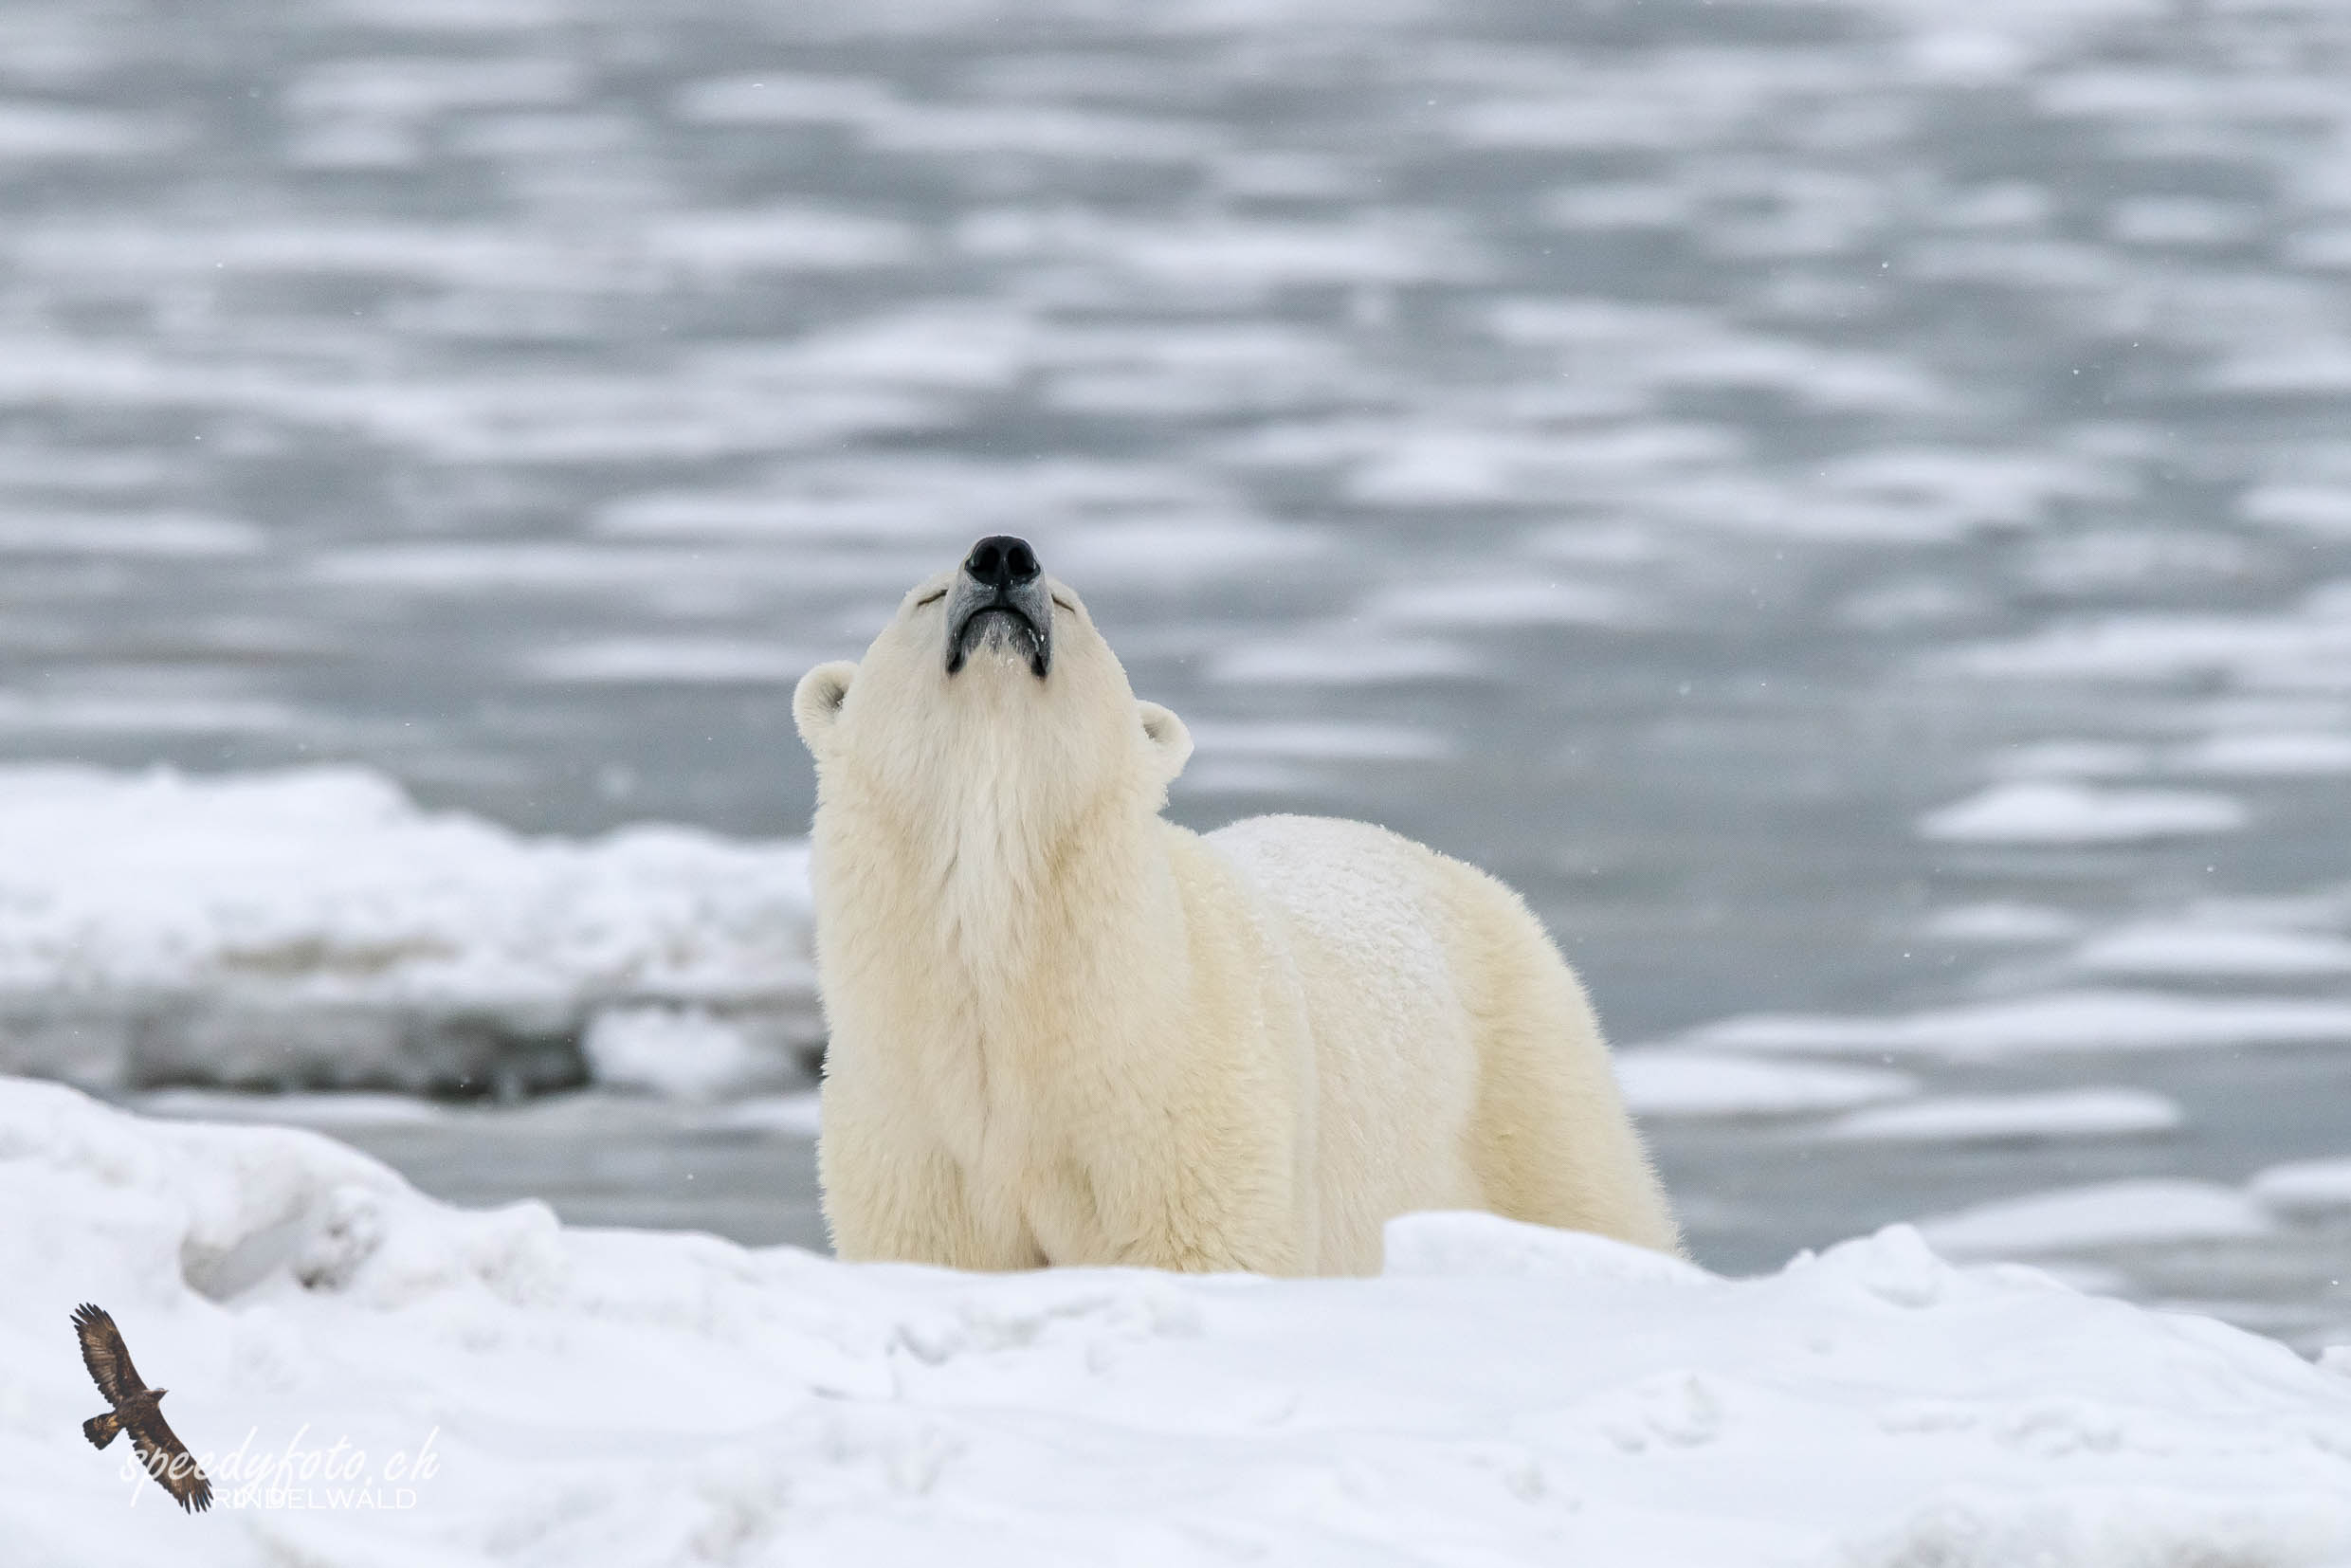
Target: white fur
{"points": [[1065, 1030]]}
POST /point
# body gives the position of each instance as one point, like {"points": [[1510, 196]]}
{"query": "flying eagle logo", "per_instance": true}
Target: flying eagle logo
{"points": [[136, 1411]]}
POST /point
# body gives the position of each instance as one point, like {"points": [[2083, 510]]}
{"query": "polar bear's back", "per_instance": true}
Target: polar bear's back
{"points": [[1369, 919], [1365, 895], [1460, 1065]]}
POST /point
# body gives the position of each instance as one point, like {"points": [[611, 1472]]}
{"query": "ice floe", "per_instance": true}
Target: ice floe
{"points": [[1488, 603], [1669, 1084], [2055, 1021], [2051, 813], [2306, 1188], [1341, 656], [2187, 948], [673, 661], [1308, 739], [2266, 753], [687, 1052], [2003, 1118], [2144, 1212], [2000, 922], [2075, 760], [294, 1108], [314, 927], [798, 1114], [2294, 649]]}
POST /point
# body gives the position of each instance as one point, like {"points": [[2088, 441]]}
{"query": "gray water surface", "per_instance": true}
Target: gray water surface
{"points": [[1657, 451]]}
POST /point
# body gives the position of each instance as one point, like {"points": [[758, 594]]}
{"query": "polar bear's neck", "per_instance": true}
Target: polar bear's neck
{"points": [[979, 902], [1014, 900]]}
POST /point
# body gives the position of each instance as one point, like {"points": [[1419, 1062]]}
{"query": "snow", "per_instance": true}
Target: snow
{"points": [[2144, 1212], [314, 927], [1689, 1084], [1502, 1393], [2048, 811], [1993, 1118]]}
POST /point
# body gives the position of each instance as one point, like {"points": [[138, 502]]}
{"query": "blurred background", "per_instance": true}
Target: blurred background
{"points": [[1846, 505]]}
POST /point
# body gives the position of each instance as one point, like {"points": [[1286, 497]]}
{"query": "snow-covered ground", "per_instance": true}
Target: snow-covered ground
{"points": [[500, 1389], [316, 927]]}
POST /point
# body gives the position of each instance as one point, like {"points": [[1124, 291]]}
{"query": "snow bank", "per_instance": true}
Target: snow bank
{"points": [[1502, 1394], [316, 927]]}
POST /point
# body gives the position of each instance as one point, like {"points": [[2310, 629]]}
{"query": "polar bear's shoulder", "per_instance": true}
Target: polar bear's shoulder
{"points": [[1353, 885]]}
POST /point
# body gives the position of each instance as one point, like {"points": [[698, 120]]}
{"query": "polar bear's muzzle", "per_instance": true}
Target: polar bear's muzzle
{"points": [[1001, 600]]}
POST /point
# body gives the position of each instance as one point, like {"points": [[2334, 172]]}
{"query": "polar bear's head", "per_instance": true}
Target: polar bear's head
{"points": [[989, 700]]}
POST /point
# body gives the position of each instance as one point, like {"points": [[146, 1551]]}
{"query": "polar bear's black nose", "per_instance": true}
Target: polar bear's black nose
{"points": [[1001, 561]]}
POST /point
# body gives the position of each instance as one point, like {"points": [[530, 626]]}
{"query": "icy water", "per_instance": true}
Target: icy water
{"points": [[1847, 506]]}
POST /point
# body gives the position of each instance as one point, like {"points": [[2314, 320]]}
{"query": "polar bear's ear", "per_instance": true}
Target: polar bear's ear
{"points": [[816, 703], [1170, 743]]}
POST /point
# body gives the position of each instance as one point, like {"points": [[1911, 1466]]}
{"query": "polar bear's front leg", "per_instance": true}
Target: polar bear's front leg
{"points": [[1201, 1206], [886, 1204]]}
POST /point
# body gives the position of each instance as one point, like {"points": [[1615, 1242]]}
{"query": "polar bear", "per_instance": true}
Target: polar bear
{"points": [[1065, 1031]]}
